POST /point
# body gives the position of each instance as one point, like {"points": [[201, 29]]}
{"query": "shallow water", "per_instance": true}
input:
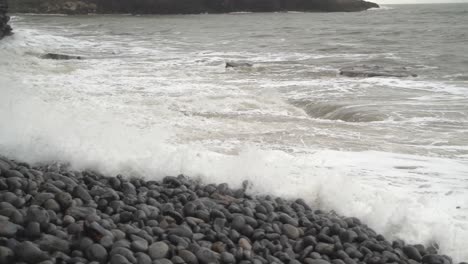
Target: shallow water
{"points": [[153, 98]]}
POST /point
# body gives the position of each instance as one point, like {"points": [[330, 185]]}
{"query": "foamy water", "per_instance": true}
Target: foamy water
{"points": [[153, 98]]}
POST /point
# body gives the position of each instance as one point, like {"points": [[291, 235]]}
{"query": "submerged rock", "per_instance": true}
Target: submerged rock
{"points": [[56, 56], [5, 29], [238, 64], [375, 71]]}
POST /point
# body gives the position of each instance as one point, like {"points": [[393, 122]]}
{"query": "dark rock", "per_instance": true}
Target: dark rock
{"points": [[227, 257], [238, 64], [80, 212], [33, 230], [6, 255], [82, 193], [30, 253], [139, 245], [433, 259], [207, 256], [188, 256], [412, 253], [37, 214], [8, 229], [375, 71], [125, 252], [182, 231], [315, 261], [142, 258], [52, 243], [119, 259], [55, 56], [51, 204], [324, 248], [96, 252]]}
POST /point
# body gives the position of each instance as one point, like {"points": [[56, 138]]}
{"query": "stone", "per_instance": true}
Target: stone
{"points": [[37, 214], [315, 261], [82, 193], [227, 257], [140, 245], [324, 248], [80, 212], [119, 259], [207, 256], [158, 250], [143, 258], [412, 253], [291, 231], [52, 243], [182, 231], [433, 259], [238, 222], [127, 253], [51, 204], [245, 244], [375, 71], [8, 229], [56, 56], [97, 253], [6, 255], [233, 64], [188, 256], [30, 253]]}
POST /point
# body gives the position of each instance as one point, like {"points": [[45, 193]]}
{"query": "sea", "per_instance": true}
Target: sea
{"points": [[152, 97]]}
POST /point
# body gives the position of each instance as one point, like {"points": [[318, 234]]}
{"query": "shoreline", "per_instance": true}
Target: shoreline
{"points": [[188, 7], [50, 213]]}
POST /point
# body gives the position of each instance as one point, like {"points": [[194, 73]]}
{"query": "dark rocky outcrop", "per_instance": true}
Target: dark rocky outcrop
{"points": [[5, 29], [185, 6], [56, 56], [376, 71], [232, 64]]}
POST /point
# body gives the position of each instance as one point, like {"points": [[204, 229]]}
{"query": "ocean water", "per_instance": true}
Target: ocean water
{"points": [[153, 98]]}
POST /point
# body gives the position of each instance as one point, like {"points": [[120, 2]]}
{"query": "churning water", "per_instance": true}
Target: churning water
{"points": [[153, 97]]}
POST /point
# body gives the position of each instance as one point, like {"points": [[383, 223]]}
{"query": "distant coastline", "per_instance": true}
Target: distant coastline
{"points": [[76, 7]]}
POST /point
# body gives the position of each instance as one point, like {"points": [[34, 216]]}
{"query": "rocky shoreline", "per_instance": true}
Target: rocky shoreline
{"points": [[50, 215], [185, 6], [5, 29]]}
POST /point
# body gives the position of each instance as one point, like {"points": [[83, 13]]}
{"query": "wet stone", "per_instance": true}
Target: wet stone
{"points": [[158, 250], [30, 253], [119, 259], [412, 253], [6, 255], [291, 231], [139, 245], [207, 256], [8, 229], [143, 258]]}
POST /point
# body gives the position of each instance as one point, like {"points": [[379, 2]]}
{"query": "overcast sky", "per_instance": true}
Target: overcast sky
{"points": [[417, 1]]}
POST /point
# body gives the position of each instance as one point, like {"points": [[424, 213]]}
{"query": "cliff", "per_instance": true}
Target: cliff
{"points": [[5, 29], [185, 6]]}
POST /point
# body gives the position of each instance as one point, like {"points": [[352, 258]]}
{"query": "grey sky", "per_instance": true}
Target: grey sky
{"points": [[417, 1]]}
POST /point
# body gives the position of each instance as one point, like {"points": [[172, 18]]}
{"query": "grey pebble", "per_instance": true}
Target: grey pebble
{"points": [[158, 250]]}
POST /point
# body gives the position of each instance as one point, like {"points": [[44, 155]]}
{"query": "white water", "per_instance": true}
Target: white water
{"points": [[163, 104]]}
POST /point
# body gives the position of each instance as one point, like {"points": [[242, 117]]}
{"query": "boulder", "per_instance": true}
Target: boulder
{"points": [[5, 29], [376, 71], [238, 64], [56, 56]]}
